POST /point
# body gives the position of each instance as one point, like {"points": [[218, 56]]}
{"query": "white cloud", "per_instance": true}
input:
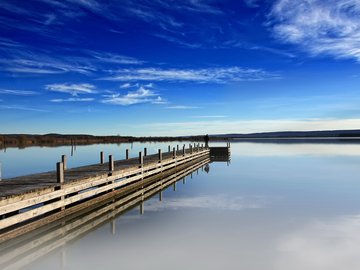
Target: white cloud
{"points": [[217, 126], [116, 58], [129, 85], [210, 116], [21, 108], [60, 100], [17, 92], [22, 61], [324, 244], [73, 89], [252, 3], [142, 95], [182, 107], [217, 202], [218, 75], [330, 27]]}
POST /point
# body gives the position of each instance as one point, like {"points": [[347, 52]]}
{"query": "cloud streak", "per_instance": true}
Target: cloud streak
{"points": [[142, 95], [320, 27], [72, 89], [182, 107], [60, 100], [17, 92], [211, 75], [217, 126], [21, 108]]}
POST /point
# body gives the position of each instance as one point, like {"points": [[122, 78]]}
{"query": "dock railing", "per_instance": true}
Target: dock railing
{"points": [[24, 208]]}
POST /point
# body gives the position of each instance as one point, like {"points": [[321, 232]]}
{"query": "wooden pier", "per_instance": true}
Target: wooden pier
{"points": [[30, 202], [25, 249]]}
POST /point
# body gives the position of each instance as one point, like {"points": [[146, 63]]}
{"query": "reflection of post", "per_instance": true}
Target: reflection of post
{"points": [[142, 210], [113, 227], [207, 168], [0, 171], [160, 195], [191, 175], [63, 258], [184, 180], [174, 186]]}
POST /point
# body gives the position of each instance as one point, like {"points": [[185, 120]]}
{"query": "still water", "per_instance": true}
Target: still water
{"points": [[275, 206]]}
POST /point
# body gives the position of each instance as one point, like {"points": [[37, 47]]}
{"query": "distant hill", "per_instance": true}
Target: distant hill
{"points": [[295, 134]]}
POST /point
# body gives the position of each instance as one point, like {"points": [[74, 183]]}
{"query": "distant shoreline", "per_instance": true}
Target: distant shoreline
{"points": [[53, 140]]}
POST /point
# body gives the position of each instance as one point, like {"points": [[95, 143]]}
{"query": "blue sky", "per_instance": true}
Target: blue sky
{"points": [[161, 67]]}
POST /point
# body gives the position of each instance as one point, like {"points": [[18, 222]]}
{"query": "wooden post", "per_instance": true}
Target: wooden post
{"points": [[141, 160], [60, 173], [177, 147], [159, 155], [101, 157], [191, 149], [64, 161], [145, 151], [184, 150], [169, 148], [127, 154], [174, 153], [111, 164]]}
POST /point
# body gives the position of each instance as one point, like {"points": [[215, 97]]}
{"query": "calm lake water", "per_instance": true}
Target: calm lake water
{"points": [[276, 206]]}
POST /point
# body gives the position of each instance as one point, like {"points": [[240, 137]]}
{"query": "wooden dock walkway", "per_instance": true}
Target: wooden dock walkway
{"points": [[23, 250], [29, 202]]}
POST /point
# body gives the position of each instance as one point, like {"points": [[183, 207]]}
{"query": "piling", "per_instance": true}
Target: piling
{"points": [[141, 160], [159, 155], [101, 157], [64, 161], [111, 164], [60, 173]]}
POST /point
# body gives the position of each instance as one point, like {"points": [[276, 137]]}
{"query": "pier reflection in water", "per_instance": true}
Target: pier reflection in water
{"points": [[18, 253]]}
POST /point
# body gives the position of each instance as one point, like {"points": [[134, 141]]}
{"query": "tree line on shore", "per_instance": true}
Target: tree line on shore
{"points": [[26, 140]]}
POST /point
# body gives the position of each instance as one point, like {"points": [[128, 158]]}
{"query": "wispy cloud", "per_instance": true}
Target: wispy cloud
{"points": [[128, 85], [217, 126], [60, 100], [252, 3], [21, 108], [222, 202], [217, 75], [182, 107], [142, 95], [17, 92], [72, 89], [26, 60], [209, 116], [116, 58], [328, 27]]}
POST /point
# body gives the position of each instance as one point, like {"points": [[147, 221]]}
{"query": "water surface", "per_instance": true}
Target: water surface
{"points": [[276, 206]]}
